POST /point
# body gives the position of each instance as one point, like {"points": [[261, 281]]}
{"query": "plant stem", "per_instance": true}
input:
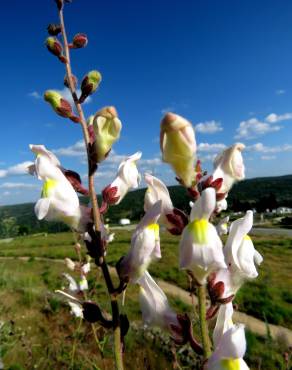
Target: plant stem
{"points": [[203, 322], [75, 343], [93, 197]]}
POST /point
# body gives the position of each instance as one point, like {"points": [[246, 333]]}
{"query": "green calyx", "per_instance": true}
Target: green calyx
{"points": [[94, 78], [53, 97]]}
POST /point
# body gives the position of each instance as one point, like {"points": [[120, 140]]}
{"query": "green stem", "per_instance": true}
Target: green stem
{"points": [[75, 344], [203, 322]]}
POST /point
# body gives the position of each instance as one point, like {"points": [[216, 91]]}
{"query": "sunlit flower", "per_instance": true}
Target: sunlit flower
{"points": [[229, 166], [70, 264], [154, 304], [229, 352], [178, 146], [76, 309], [223, 322], [240, 256], [59, 200], [145, 246], [200, 246], [104, 128], [222, 226], [75, 287], [127, 178]]}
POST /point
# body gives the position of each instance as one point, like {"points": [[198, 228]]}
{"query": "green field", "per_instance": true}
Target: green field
{"points": [[39, 331]]}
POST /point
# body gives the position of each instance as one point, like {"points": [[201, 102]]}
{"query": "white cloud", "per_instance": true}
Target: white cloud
{"points": [[261, 148], [253, 128], [274, 118], [167, 109], [18, 169], [209, 127], [268, 157], [211, 148], [150, 162], [75, 150], [35, 94], [18, 185], [280, 92]]}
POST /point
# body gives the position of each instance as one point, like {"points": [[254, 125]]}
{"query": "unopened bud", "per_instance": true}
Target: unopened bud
{"points": [[55, 47], [61, 106], [89, 84], [74, 80], [79, 41], [54, 29], [105, 131], [59, 4]]}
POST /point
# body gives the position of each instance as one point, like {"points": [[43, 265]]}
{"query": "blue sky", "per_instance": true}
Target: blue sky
{"points": [[224, 65]]}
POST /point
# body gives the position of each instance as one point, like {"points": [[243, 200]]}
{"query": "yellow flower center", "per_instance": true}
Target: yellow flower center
{"points": [[155, 229], [230, 364], [246, 237], [48, 186], [199, 230]]}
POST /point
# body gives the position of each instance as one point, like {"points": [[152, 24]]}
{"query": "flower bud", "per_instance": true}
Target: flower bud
{"points": [[55, 47], [61, 106], [89, 84], [105, 129], [79, 41], [54, 29], [178, 146], [74, 80]]}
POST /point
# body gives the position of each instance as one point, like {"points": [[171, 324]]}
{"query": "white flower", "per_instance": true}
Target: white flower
{"points": [[85, 268], [75, 287], [178, 146], [229, 166], [76, 309], [154, 304], [200, 246], [223, 323], [59, 200], [221, 205], [145, 246], [127, 178], [222, 226], [83, 284], [70, 264], [230, 350], [240, 256]]}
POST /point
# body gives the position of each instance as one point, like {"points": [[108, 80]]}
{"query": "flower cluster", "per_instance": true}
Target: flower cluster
{"points": [[212, 266]]}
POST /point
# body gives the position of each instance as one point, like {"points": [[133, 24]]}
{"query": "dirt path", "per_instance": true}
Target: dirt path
{"points": [[278, 333]]}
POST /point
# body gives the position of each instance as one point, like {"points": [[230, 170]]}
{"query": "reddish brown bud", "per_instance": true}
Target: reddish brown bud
{"points": [[74, 80], [54, 29], [59, 4], [54, 46], [220, 196], [79, 41], [195, 194], [75, 180], [92, 314]]}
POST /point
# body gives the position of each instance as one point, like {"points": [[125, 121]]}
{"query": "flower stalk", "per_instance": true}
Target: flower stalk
{"points": [[95, 209], [206, 343]]}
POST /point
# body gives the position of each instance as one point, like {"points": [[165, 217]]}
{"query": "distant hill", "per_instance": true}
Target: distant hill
{"points": [[260, 193]]}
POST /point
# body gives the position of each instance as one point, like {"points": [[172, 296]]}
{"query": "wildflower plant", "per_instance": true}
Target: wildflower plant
{"points": [[216, 271]]}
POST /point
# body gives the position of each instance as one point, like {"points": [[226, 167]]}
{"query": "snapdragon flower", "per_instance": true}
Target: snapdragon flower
{"points": [[178, 146], [172, 218], [200, 246], [145, 246], [154, 304], [229, 352], [229, 166], [127, 178], [59, 200], [240, 256]]}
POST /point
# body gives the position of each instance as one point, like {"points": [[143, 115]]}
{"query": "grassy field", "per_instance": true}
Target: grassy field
{"points": [[39, 331]]}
